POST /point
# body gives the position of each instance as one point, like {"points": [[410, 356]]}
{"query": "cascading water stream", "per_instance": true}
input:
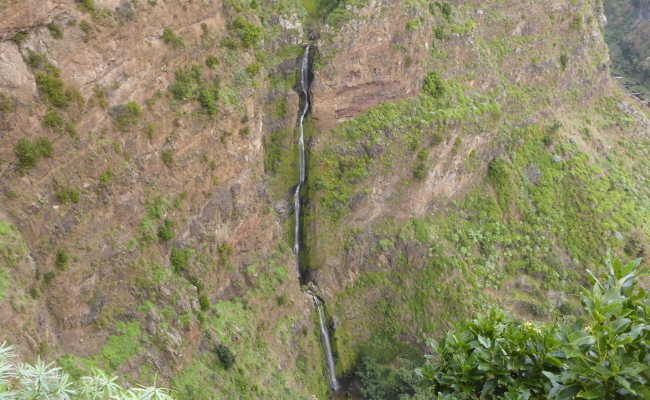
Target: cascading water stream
{"points": [[325, 337]]}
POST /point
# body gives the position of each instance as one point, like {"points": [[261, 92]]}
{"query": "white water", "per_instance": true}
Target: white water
{"points": [[325, 337], [304, 83]]}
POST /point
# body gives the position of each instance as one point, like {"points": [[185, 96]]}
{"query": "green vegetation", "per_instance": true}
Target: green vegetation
{"points": [[12, 249], [55, 30], [52, 88], [211, 61], [87, 5], [41, 380], [67, 195], [180, 259], [172, 39], [190, 84], [601, 356], [7, 104], [167, 157], [30, 152], [62, 259], [166, 231], [226, 356], [19, 37], [248, 34], [125, 115], [123, 345], [626, 34], [106, 177]]}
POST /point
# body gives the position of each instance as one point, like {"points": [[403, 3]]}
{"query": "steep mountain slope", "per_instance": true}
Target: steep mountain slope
{"points": [[460, 154], [627, 32]]}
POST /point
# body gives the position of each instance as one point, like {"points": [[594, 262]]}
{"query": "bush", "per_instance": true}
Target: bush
{"points": [[381, 383], [19, 37], [62, 259], [226, 356], [167, 158], [433, 85], [211, 61], [106, 177], [180, 259], [67, 195], [172, 39], [7, 103], [40, 380], [564, 61], [125, 115], [55, 30], [86, 5], [249, 34], [51, 86], [190, 85], [54, 120], [166, 231], [204, 302], [603, 356], [29, 153]]}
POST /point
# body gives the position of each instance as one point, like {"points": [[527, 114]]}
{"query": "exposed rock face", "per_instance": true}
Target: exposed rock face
{"points": [[14, 74], [385, 68], [21, 15]]}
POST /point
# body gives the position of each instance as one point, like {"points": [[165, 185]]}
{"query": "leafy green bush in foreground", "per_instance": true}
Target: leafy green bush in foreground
{"points": [[605, 355]]}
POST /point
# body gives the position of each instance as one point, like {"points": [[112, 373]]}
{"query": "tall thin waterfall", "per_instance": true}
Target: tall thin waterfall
{"points": [[325, 337]]}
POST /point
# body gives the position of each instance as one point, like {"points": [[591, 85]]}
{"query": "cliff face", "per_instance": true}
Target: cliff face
{"points": [[461, 154], [627, 30]]}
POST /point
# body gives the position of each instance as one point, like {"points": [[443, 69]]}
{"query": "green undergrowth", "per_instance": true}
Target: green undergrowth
{"points": [[12, 250], [545, 213], [375, 141], [256, 344]]}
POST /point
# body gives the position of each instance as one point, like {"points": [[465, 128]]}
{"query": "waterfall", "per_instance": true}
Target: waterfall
{"points": [[318, 304], [325, 338]]}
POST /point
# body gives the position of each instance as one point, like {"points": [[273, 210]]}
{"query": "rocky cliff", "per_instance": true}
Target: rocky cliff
{"points": [[460, 154]]}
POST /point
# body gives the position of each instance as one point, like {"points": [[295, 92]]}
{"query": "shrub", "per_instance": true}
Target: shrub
{"points": [[7, 103], [62, 259], [40, 380], [204, 302], [190, 85], [564, 61], [54, 120], [379, 382], [106, 177], [211, 61], [180, 259], [86, 28], [166, 231], [48, 276], [226, 356], [603, 356], [433, 85], [499, 176], [86, 5], [249, 34], [29, 153], [67, 195], [170, 38], [167, 158], [55, 30], [445, 9], [51, 86], [19, 37], [125, 115]]}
